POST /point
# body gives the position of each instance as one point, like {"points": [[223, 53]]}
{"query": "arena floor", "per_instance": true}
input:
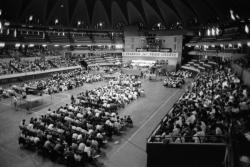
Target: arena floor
{"points": [[128, 150]]}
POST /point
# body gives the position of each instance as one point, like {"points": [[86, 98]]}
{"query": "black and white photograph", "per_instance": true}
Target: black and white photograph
{"points": [[124, 83]]}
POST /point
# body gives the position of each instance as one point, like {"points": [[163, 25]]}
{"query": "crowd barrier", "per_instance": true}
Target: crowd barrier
{"points": [[185, 154]]}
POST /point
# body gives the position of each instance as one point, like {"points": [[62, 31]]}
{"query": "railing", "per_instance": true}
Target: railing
{"points": [[188, 139]]}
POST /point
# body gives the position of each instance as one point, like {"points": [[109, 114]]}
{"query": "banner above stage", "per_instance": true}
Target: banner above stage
{"points": [[149, 54]]}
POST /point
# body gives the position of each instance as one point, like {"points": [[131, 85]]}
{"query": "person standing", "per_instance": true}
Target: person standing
{"points": [[15, 102]]}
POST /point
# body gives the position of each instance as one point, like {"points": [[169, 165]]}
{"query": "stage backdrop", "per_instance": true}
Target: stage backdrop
{"points": [[169, 57]]}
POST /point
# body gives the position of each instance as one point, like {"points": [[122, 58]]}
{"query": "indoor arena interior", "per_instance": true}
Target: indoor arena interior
{"points": [[124, 83]]}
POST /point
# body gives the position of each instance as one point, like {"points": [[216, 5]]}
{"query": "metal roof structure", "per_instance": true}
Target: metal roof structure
{"points": [[111, 12]]}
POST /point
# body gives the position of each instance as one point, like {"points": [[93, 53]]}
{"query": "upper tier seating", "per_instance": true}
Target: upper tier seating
{"points": [[56, 37], [81, 38], [101, 38]]}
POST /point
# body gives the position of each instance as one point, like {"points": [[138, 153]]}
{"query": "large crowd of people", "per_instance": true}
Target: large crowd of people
{"points": [[177, 79], [5, 68], [203, 113], [30, 65], [116, 94], [22, 66], [12, 51], [76, 132], [57, 82]]}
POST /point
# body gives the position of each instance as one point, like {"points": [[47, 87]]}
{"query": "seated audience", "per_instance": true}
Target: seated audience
{"points": [[202, 113], [76, 132]]}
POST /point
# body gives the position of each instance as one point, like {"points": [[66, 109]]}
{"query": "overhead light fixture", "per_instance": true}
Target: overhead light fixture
{"points": [[217, 31], [118, 46], [246, 29], [17, 45], [31, 45], [15, 33], [248, 44], [7, 24], [213, 32], [56, 21], [0, 12], [66, 46], [30, 18], [44, 45], [230, 45], [232, 14], [221, 45], [2, 45], [208, 32], [239, 45]]}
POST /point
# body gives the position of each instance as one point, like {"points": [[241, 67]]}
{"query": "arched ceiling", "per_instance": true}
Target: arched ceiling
{"points": [[148, 12]]}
